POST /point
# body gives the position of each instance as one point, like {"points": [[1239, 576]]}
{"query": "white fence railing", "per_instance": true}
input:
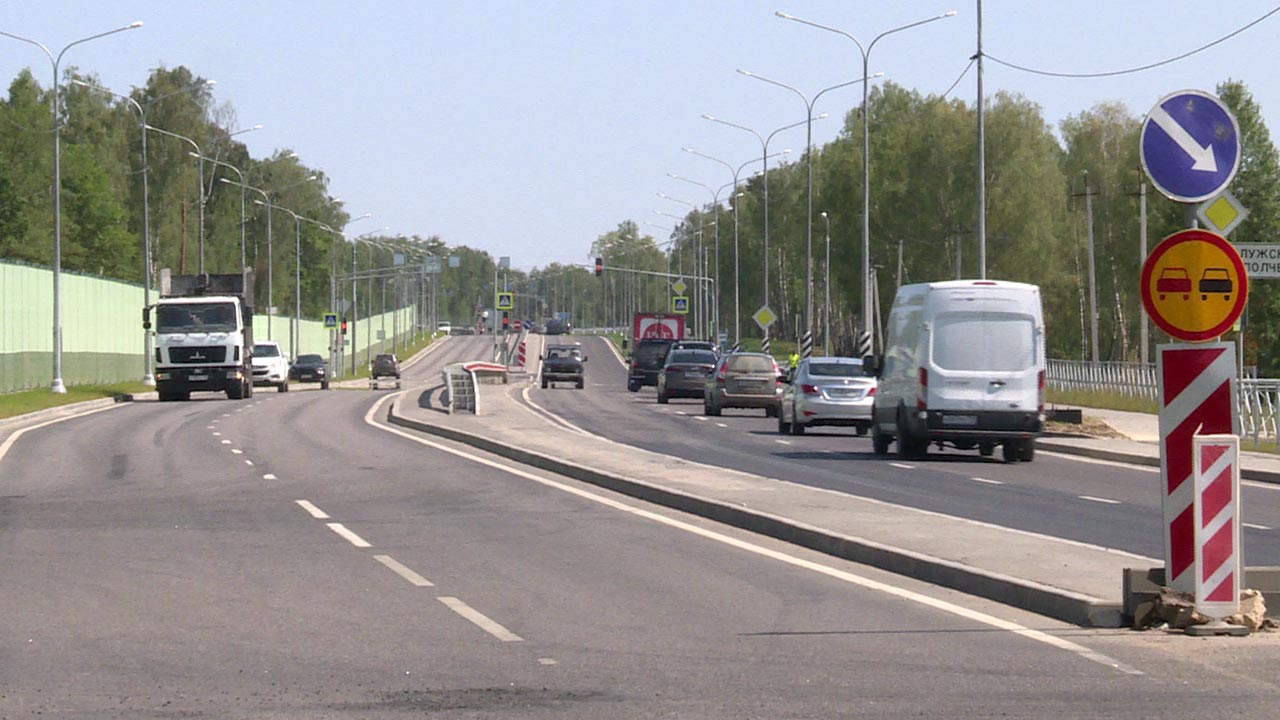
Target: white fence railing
{"points": [[1259, 398]]}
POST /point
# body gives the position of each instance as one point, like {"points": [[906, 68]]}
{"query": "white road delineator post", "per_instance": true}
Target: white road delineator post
{"points": [[1217, 533]]}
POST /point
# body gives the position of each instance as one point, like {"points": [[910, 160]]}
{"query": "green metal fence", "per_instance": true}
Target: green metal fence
{"points": [[102, 336]]}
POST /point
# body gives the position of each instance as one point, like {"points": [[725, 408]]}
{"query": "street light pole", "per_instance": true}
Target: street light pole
{"points": [[199, 154], [148, 377], [243, 265], [866, 149], [808, 220], [57, 385], [826, 286]]}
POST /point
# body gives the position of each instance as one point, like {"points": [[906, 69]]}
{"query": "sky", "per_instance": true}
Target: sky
{"points": [[529, 129]]}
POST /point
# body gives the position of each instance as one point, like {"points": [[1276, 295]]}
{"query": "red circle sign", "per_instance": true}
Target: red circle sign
{"points": [[1194, 285]]}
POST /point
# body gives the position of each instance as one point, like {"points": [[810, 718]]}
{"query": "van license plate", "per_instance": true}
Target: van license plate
{"points": [[960, 420], [199, 377]]}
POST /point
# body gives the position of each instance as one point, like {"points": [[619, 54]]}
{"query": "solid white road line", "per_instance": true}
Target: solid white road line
{"points": [[480, 620], [13, 437], [414, 578], [1104, 501], [845, 576], [316, 512], [349, 536], [904, 466], [988, 482]]}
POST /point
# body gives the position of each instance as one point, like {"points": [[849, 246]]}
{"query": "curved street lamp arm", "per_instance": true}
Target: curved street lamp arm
{"points": [[734, 125], [808, 104]]}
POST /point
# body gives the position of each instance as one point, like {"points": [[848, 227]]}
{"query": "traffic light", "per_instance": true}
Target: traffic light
{"points": [[599, 267], [506, 321], [344, 326]]}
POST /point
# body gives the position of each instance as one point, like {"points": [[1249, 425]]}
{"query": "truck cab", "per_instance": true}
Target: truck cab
{"points": [[204, 335]]}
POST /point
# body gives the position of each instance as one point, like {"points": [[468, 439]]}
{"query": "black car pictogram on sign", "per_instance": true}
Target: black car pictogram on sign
{"points": [[1216, 280]]}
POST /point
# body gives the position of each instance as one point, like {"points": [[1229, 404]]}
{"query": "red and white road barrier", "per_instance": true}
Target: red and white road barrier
{"points": [[1197, 397], [520, 354], [1217, 523]]}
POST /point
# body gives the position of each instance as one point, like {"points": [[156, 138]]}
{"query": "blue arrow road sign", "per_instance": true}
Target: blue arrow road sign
{"points": [[1190, 146]]}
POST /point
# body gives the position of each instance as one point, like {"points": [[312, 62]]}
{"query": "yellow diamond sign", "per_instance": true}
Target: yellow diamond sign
{"points": [[1222, 214], [764, 317], [679, 286]]}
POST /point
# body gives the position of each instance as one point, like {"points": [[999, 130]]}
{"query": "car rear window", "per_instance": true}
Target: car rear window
{"points": [[849, 369], [310, 359], [1003, 342], [649, 351], [751, 363], [700, 357]]}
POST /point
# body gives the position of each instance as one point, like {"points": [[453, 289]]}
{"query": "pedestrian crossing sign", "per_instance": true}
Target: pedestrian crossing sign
{"points": [[505, 301], [680, 305]]}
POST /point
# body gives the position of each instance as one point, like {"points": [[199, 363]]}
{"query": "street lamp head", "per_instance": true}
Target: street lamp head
{"points": [[950, 13], [823, 116], [135, 24], [210, 83], [708, 117], [746, 72], [786, 151], [784, 16]]}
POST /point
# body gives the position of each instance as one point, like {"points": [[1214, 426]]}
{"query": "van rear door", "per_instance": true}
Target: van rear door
{"points": [[983, 361]]}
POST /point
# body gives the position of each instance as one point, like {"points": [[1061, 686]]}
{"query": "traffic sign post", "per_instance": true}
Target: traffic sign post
{"points": [[1190, 146], [1194, 285]]}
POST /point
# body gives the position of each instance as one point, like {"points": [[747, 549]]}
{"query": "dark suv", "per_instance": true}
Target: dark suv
{"points": [[311, 368], [562, 363], [647, 359]]}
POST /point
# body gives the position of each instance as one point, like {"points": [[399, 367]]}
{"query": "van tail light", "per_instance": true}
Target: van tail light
{"points": [[635, 363], [1040, 390], [722, 376], [922, 402], [810, 390]]}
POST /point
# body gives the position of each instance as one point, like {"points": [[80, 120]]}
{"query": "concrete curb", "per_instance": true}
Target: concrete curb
{"points": [[18, 422], [1044, 600], [1043, 443]]}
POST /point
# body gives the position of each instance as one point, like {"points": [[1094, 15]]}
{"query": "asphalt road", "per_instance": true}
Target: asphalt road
{"points": [[289, 556], [1106, 504]]}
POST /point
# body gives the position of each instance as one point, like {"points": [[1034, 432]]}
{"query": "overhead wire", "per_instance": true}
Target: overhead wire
{"points": [[1112, 73]]}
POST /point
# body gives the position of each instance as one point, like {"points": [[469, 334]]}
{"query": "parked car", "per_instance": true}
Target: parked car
{"points": [[742, 380], [562, 363], [311, 368], [556, 326], [444, 327], [270, 366], [647, 358], [685, 372], [826, 391]]}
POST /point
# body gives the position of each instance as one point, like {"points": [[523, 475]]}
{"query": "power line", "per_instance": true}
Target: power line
{"points": [[1129, 71], [962, 74]]}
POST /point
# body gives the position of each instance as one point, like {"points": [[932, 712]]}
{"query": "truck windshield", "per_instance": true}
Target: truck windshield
{"points": [[984, 341], [196, 317]]}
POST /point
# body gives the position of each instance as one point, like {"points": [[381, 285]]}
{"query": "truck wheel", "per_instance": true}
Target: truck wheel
{"points": [[986, 449], [1028, 451], [909, 448], [879, 441], [235, 392], [1012, 451]]}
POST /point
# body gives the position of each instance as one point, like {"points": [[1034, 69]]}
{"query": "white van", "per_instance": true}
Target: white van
{"points": [[964, 365]]}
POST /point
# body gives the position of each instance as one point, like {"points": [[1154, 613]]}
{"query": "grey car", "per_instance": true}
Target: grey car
{"points": [[685, 373], [742, 380], [827, 391]]}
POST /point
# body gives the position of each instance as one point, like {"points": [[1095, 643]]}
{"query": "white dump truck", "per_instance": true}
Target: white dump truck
{"points": [[204, 335]]}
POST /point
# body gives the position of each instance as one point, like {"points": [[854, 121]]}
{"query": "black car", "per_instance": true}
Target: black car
{"points": [[385, 365], [647, 359], [562, 363], [311, 368], [556, 326], [685, 373], [695, 345]]}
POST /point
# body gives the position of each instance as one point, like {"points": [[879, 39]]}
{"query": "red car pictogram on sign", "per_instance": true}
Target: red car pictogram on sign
{"points": [[1174, 280]]}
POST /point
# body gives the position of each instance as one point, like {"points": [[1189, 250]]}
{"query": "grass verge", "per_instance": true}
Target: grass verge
{"points": [[21, 403]]}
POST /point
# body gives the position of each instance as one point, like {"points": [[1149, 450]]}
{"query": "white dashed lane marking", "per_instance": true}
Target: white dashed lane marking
{"points": [[248, 462], [1104, 501], [988, 482], [268, 476], [1255, 527], [234, 451], [721, 425], [316, 512], [904, 466], [480, 620], [414, 578], [783, 442], [349, 536]]}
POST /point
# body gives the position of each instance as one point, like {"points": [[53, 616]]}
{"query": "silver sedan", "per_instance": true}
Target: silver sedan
{"points": [[827, 391]]}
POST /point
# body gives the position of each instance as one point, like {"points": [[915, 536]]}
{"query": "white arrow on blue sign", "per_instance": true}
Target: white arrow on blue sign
{"points": [[1190, 146]]}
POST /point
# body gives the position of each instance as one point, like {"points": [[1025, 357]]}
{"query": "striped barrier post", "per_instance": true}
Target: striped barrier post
{"points": [[1197, 384], [1217, 523], [520, 355]]}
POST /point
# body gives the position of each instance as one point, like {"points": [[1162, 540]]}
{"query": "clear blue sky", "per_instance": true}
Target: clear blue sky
{"points": [[528, 129]]}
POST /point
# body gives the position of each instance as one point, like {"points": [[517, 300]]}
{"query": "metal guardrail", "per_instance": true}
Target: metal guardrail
{"points": [[1259, 399]]}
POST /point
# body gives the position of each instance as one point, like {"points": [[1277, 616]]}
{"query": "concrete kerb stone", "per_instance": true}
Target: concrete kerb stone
{"points": [[65, 411], [1052, 602], [1255, 474]]}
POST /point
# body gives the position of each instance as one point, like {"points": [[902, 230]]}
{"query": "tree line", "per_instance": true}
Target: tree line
{"points": [[102, 197], [923, 218]]}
